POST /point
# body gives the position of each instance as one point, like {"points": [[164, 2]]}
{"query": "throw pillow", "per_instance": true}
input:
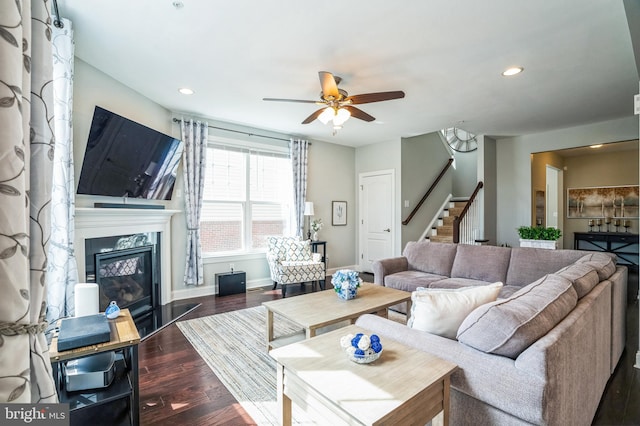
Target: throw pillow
{"points": [[583, 276], [508, 326], [603, 263], [299, 251], [441, 311]]}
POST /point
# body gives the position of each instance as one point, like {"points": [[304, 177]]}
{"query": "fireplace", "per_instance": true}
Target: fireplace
{"points": [[125, 269], [100, 231], [128, 278]]}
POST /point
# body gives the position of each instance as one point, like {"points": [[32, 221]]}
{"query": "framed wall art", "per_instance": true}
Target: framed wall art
{"points": [[602, 201], [339, 213]]}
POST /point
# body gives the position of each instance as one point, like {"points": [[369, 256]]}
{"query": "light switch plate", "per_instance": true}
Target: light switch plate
{"points": [[636, 104]]}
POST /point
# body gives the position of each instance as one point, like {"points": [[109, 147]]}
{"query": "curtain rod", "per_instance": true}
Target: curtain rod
{"points": [[176, 120], [57, 22]]}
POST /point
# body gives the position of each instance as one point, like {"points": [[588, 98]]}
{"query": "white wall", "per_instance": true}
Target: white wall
{"points": [[513, 157]]}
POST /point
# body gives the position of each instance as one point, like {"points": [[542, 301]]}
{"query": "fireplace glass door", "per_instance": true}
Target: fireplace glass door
{"points": [[126, 276]]}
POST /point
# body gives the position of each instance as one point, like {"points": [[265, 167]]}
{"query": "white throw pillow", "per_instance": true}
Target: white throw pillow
{"points": [[441, 310]]}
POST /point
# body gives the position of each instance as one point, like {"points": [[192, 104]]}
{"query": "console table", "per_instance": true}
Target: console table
{"points": [[623, 244], [121, 398]]}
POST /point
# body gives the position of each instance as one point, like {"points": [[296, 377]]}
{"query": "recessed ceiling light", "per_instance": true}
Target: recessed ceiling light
{"points": [[596, 146], [186, 91], [512, 71]]}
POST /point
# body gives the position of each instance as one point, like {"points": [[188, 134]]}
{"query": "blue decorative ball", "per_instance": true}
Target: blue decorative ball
{"points": [[359, 352], [376, 346]]}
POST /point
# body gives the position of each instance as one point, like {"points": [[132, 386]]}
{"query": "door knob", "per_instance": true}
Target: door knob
{"points": [[387, 230]]}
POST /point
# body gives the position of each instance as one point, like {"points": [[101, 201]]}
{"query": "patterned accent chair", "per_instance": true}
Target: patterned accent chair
{"points": [[291, 262]]}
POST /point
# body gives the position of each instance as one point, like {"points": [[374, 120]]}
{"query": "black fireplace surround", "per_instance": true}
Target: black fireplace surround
{"points": [[126, 270]]}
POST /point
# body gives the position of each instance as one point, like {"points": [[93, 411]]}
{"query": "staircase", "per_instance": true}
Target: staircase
{"points": [[443, 231]]}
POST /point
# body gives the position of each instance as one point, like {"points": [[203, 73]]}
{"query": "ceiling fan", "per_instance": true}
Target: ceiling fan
{"points": [[337, 105]]}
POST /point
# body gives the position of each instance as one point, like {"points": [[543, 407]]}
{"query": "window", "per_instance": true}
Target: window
{"points": [[248, 195]]}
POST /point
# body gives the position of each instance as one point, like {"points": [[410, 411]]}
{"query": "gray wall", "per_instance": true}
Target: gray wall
{"points": [[331, 177], [608, 169], [465, 174], [487, 169], [513, 157], [423, 158]]}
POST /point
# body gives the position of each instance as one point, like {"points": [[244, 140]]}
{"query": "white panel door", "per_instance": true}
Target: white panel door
{"points": [[376, 217]]}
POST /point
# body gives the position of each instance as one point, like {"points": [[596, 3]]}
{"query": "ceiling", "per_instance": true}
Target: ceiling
{"points": [[446, 56]]}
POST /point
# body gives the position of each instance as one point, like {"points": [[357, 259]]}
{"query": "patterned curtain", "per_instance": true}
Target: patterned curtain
{"points": [[194, 137], [298, 150], [26, 163], [62, 275]]}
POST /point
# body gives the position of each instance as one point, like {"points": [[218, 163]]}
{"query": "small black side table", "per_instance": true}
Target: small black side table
{"points": [[234, 282], [314, 248]]}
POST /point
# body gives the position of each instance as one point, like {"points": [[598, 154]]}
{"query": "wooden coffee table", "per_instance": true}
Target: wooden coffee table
{"points": [[316, 310], [405, 386]]}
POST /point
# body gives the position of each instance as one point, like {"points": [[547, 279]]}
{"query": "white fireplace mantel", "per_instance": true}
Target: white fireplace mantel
{"points": [[108, 222]]}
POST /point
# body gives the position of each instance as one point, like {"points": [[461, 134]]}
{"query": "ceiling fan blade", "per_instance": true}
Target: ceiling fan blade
{"points": [[358, 113], [290, 100], [313, 116], [375, 97], [329, 86]]}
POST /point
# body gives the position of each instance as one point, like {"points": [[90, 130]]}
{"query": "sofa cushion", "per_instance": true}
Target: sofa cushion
{"points": [[583, 276], [484, 263], [457, 283], [603, 263], [507, 291], [441, 311], [507, 327], [530, 264], [410, 280], [426, 256]]}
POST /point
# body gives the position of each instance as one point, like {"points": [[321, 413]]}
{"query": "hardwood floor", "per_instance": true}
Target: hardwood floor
{"points": [[178, 388]]}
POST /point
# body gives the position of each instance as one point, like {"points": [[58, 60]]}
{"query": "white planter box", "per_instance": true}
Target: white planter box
{"points": [[544, 244]]}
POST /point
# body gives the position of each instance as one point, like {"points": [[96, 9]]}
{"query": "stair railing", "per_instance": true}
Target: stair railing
{"points": [[431, 188], [467, 223]]}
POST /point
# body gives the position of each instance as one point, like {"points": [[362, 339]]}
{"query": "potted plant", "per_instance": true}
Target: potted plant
{"points": [[539, 237]]}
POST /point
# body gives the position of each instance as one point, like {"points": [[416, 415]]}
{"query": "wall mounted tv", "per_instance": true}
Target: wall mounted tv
{"points": [[126, 159]]}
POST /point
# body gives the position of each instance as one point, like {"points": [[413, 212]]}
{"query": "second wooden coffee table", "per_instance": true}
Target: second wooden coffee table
{"points": [[316, 310]]}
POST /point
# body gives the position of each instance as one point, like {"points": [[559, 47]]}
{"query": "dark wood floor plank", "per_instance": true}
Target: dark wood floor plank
{"points": [[178, 388]]}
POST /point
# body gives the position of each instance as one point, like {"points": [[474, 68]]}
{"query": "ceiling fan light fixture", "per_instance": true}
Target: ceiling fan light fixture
{"points": [[341, 116], [326, 115]]}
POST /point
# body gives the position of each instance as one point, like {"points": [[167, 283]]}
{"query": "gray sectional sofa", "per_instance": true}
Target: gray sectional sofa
{"points": [[542, 353]]}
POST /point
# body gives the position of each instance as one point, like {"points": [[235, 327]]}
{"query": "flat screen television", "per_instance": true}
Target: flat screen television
{"points": [[126, 159]]}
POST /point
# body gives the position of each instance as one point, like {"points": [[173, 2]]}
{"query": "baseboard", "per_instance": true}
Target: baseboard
{"points": [[333, 270], [210, 290]]}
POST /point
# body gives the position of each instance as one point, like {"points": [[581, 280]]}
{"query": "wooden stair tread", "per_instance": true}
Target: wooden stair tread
{"points": [[441, 238]]}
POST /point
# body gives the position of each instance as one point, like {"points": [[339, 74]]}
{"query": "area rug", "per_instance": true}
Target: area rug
{"points": [[233, 345]]}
